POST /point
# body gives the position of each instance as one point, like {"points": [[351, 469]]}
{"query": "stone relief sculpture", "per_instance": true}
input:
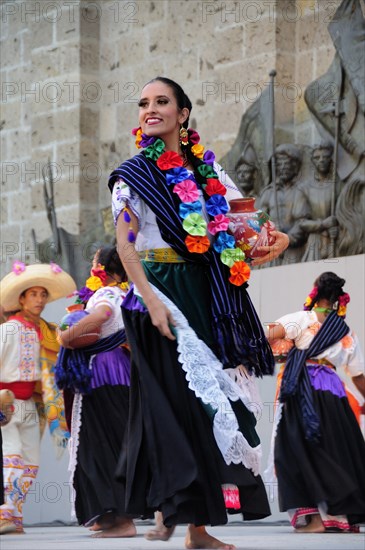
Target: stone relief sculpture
{"points": [[320, 192], [350, 215], [315, 195], [287, 207], [254, 142], [337, 99], [247, 174], [72, 252], [337, 102]]}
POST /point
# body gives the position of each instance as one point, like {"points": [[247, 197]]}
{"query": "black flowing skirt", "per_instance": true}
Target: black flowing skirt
{"points": [[330, 473], [104, 418], [171, 461]]}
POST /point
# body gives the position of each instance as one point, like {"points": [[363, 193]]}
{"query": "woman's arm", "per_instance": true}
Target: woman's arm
{"points": [[88, 324], [161, 317], [275, 331]]}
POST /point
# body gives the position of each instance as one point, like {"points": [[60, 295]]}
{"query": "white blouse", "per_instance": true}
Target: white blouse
{"points": [[149, 236], [302, 326], [111, 296]]}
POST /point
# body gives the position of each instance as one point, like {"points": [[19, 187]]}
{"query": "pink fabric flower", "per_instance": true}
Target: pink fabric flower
{"points": [[18, 267], [187, 191], [220, 223], [55, 268]]}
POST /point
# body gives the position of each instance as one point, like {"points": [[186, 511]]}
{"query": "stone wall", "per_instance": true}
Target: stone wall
{"points": [[39, 121], [72, 72]]}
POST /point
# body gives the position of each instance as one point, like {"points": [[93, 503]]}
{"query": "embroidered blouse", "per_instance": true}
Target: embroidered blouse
{"points": [[19, 353], [111, 296]]}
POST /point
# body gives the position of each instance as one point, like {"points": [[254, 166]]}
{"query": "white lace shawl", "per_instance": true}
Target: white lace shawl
{"points": [[215, 386]]}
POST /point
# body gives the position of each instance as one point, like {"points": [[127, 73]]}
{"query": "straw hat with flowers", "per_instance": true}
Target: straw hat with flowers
{"points": [[57, 282]]}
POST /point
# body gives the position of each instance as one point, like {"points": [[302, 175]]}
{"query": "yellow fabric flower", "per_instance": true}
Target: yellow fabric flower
{"points": [[138, 138], [341, 311], [198, 150], [94, 283]]}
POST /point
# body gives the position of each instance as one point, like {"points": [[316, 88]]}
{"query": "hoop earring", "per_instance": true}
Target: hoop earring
{"points": [[184, 136]]}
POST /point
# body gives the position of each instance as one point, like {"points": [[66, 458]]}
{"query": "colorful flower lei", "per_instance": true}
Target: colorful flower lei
{"points": [[93, 283], [184, 184]]}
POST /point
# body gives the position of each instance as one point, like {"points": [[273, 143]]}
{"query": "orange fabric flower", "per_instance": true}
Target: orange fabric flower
{"points": [[240, 273], [347, 341], [197, 244], [168, 160], [314, 327], [214, 187]]}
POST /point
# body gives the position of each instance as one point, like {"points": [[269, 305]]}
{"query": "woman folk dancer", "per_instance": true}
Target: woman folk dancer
{"points": [[100, 404], [318, 448], [192, 451]]}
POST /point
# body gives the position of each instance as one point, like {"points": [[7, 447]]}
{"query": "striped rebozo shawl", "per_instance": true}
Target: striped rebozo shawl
{"points": [[235, 323], [296, 380]]}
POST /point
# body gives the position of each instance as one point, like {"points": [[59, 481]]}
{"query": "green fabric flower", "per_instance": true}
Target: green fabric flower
{"points": [[194, 224], [155, 150], [207, 171], [231, 255]]}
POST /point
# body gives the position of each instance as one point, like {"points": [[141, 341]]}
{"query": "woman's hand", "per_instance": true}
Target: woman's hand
{"points": [[161, 317], [274, 250]]}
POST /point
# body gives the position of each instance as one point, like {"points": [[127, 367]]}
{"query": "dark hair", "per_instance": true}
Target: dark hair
{"points": [[109, 258], [182, 100], [329, 286]]}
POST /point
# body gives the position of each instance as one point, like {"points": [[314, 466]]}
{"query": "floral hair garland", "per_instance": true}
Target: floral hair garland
{"points": [[190, 209], [310, 299], [93, 283], [342, 302]]}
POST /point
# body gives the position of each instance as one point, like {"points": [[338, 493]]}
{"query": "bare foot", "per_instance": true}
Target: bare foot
{"points": [[105, 521], [315, 525], [197, 537], [122, 528], [160, 532]]}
